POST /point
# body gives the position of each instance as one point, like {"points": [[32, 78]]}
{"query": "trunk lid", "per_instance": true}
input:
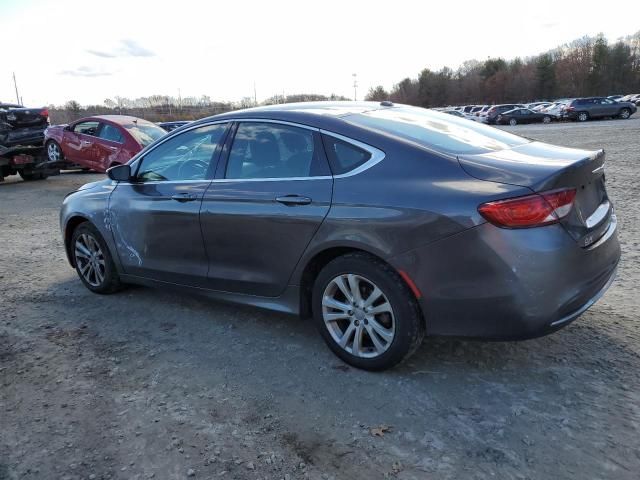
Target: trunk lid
{"points": [[542, 167], [25, 117]]}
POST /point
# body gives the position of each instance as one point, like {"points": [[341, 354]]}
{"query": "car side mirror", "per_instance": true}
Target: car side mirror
{"points": [[68, 128], [119, 173]]}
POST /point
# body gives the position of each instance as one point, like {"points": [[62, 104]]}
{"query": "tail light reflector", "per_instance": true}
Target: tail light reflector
{"points": [[45, 112], [529, 211]]}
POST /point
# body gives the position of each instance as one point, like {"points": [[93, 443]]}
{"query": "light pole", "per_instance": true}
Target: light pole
{"points": [[355, 86], [15, 84]]}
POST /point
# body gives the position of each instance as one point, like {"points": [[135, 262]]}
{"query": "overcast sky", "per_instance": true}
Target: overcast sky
{"points": [[89, 51]]}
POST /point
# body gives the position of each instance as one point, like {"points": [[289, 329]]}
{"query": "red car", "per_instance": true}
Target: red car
{"points": [[100, 142]]}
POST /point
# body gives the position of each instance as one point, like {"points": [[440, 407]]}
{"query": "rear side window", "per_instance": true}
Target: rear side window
{"points": [[343, 156], [109, 132], [271, 150], [437, 131]]}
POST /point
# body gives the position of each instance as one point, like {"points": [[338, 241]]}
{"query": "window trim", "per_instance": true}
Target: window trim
{"points": [[377, 155]]}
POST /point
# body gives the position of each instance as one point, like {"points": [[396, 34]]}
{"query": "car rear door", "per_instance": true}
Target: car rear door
{"points": [[108, 146], [271, 193], [155, 217]]}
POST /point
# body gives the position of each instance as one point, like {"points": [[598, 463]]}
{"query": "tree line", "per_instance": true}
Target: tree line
{"points": [[589, 66], [164, 108]]}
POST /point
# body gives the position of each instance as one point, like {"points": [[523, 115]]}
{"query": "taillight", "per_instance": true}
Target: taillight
{"points": [[529, 211], [45, 112]]}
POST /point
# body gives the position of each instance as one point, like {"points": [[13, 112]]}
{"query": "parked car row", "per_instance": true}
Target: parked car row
{"points": [[580, 109]]}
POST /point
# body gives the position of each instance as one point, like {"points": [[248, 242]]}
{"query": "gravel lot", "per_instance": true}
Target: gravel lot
{"points": [[152, 384]]}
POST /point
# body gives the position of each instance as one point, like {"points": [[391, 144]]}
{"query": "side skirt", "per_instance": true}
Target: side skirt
{"points": [[288, 302]]}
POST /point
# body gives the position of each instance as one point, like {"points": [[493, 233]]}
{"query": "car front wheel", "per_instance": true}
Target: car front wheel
{"points": [[54, 152], [583, 116], [366, 313], [546, 119], [625, 113], [513, 122], [93, 260]]}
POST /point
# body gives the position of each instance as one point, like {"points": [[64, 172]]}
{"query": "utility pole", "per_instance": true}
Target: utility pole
{"points": [[15, 84], [355, 86], [255, 95]]}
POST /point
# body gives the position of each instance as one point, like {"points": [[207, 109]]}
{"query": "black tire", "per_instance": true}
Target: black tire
{"points": [[49, 146], [407, 317], [30, 176], [546, 119], [513, 122], [625, 113], [582, 116], [111, 280]]}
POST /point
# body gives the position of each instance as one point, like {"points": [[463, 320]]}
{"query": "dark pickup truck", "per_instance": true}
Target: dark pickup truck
{"points": [[21, 142]]}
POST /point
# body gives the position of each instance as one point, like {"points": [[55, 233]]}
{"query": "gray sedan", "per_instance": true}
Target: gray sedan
{"points": [[382, 222]]}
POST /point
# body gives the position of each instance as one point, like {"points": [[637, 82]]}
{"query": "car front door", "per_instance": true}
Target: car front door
{"points": [[78, 142], [155, 217], [271, 193], [609, 107], [108, 146]]}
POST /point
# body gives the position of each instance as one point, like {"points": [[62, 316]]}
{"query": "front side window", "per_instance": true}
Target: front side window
{"points": [[437, 131], [88, 128], [271, 150], [111, 133], [187, 156]]}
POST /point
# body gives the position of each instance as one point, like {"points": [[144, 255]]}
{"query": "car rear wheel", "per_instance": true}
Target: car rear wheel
{"points": [[625, 113], [366, 313], [546, 119], [54, 152], [93, 260], [583, 116], [513, 122]]}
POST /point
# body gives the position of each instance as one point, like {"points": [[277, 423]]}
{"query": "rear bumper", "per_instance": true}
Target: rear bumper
{"points": [[500, 284]]}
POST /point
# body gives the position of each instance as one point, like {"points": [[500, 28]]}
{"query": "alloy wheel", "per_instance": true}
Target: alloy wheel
{"points": [[513, 122], [53, 152], [90, 259], [358, 315], [625, 114]]}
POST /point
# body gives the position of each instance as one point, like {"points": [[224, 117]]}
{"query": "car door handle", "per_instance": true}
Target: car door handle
{"points": [[184, 197], [293, 200]]}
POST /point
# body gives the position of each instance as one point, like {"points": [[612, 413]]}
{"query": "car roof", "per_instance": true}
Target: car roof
{"points": [[315, 114], [119, 119]]}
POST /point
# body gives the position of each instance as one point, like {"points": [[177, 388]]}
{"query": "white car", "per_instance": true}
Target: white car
{"points": [[555, 109]]}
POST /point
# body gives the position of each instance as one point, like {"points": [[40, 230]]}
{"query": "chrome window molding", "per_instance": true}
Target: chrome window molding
{"points": [[377, 155]]}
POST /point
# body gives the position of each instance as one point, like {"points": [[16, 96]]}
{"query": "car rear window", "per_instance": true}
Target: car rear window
{"points": [[437, 131], [145, 133]]}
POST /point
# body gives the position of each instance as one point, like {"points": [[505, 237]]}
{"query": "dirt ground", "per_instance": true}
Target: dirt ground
{"points": [[153, 384]]}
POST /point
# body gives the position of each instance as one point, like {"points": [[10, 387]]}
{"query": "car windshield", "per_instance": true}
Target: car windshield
{"points": [[144, 132], [437, 131]]}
